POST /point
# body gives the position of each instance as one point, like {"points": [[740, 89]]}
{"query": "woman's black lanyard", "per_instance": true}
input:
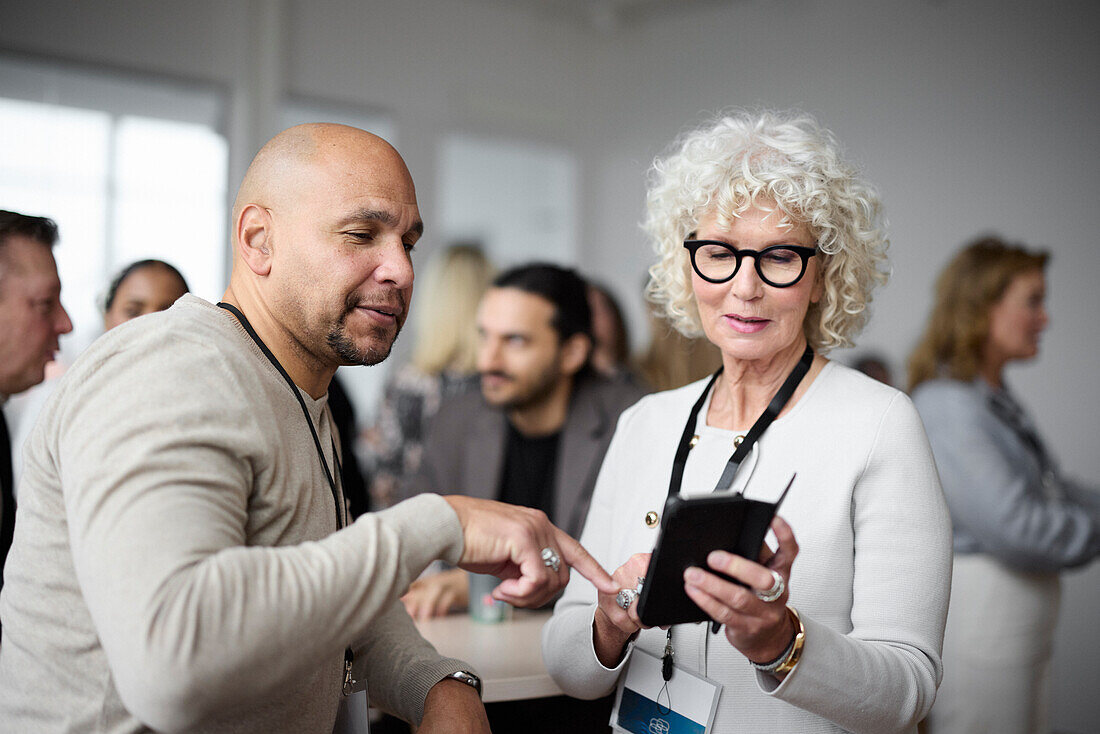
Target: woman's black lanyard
{"points": [[687, 441], [349, 656], [775, 407]]}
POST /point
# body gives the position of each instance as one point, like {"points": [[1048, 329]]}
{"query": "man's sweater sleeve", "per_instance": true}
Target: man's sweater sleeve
{"points": [[191, 618], [399, 666]]}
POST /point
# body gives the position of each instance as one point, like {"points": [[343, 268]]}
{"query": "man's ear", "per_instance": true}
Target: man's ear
{"points": [[574, 353], [254, 240]]}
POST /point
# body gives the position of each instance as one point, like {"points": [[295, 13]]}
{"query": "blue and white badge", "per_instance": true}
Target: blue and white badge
{"points": [[646, 704]]}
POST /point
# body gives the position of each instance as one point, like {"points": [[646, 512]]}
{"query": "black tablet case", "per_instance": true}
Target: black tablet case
{"points": [[690, 529]]}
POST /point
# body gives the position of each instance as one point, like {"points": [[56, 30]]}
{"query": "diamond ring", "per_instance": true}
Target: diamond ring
{"points": [[777, 588], [625, 598], [551, 559]]}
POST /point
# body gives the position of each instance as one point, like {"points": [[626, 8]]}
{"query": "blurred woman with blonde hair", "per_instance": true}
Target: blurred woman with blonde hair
{"points": [[443, 364], [1017, 520], [673, 360]]}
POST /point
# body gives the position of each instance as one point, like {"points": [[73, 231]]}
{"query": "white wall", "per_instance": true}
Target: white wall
{"points": [[971, 116]]}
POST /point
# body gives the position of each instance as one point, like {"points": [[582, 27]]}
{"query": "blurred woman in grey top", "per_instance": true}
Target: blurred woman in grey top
{"points": [[1018, 521]]}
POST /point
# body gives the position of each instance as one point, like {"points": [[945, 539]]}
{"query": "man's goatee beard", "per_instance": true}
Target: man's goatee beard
{"points": [[339, 341], [348, 353]]}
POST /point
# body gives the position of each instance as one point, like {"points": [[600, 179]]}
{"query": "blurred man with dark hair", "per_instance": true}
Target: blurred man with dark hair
{"points": [[31, 320], [534, 436], [537, 432]]}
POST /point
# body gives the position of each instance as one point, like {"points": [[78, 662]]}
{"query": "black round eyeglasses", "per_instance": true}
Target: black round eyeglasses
{"points": [[780, 266]]}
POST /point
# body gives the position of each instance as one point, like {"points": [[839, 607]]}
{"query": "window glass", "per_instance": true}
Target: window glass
{"points": [[170, 198], [129, 169], [54, 161], [518, 200]]}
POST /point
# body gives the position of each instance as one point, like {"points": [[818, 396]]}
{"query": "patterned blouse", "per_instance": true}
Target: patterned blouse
{"points": [[395, 443]]}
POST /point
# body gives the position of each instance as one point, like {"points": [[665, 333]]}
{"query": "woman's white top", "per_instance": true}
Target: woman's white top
{"points": [[871, 580]]}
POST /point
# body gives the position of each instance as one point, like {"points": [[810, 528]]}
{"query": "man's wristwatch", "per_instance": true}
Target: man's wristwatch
{"points": [[468, 678]]}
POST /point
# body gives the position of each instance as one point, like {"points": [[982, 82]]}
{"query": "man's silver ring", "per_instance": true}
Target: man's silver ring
{"points": [[550, 559], [776, 591], [625, 598]]}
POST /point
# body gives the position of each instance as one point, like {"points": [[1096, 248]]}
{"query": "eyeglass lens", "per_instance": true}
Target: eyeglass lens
{"points": [[779, 265]]}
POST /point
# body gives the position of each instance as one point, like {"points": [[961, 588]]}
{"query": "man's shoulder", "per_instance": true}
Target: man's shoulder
{"points": [[598, 401], [461, 415], [193, 337], [617, 393], [183, 368], [190, 323]]}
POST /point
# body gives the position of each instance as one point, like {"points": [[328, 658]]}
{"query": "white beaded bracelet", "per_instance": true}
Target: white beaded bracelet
{"points": [[790, 657]]}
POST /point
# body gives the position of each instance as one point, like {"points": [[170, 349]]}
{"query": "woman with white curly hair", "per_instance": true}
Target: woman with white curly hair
{"points": [[769, 245]]}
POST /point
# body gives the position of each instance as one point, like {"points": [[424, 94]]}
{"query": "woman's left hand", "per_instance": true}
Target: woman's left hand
{"points": [[761, 630]]}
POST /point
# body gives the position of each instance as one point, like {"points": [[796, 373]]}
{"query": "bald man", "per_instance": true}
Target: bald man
{"points": [[184, 559]]}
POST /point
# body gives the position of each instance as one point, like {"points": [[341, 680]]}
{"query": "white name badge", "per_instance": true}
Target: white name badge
{"points": [[646, 704]]}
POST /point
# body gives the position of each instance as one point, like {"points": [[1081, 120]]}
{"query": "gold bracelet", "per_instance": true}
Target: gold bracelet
{"points": [[792, 658]]}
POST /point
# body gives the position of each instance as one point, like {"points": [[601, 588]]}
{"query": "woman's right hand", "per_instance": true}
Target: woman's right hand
{"points": [[614, 626], [760, 630]]}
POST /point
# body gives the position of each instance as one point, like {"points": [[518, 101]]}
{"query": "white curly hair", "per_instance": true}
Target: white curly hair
{"points": [[768, 160]]}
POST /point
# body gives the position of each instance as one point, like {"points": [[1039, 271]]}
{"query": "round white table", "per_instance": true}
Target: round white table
{"points": [[507, 655]]}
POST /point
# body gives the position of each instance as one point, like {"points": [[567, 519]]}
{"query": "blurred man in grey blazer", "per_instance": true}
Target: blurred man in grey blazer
{"points": [[536, 433]]}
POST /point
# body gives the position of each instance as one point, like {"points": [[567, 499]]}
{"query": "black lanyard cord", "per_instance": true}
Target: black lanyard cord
{"points": [[684, 447], [305, 411], [775, 407]]}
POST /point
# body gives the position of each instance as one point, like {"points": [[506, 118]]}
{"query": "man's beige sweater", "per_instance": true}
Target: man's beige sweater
{"points": [[177, 564]]}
